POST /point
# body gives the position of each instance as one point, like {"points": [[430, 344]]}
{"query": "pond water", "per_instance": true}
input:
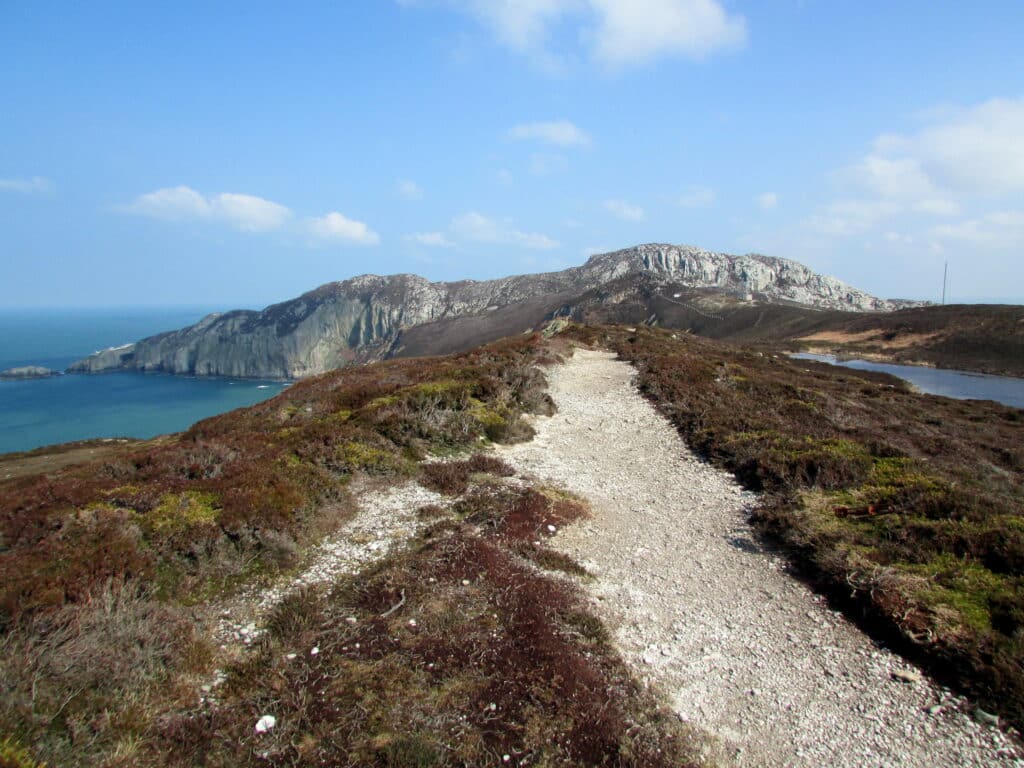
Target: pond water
{"points": [[962, 385]]}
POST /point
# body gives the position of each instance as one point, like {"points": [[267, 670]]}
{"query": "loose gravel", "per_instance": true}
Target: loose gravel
{"points": [[705, 613], [385, 519]]}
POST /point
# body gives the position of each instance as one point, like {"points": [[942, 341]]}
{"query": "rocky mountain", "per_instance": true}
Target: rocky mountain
{"points": [[365, 318]]}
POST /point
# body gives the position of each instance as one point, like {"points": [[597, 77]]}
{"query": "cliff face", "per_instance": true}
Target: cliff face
{"points": [[362, 318]]}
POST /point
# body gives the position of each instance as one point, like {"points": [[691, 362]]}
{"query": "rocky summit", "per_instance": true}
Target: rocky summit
{"points": [[364, 318]]}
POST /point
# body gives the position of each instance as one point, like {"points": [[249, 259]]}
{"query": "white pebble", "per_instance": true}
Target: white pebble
{"points": [[265, 723], [315, 651]]}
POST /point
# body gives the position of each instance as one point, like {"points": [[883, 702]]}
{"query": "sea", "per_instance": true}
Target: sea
{"points": [[61, 409]]}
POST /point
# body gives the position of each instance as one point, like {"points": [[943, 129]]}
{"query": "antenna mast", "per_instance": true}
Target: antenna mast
{"points": [[945, 272]]}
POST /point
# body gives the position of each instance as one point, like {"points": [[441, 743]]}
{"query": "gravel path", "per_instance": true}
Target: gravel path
{"points": [[741, 649], [385, 519]]}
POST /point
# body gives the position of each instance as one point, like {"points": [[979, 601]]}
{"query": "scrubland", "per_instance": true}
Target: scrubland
{"points": [[907, 509], [467, 645], [462, 648]]}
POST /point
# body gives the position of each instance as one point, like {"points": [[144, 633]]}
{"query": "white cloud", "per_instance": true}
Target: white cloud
{"points": [[697, 197], [431, 239], [33, 186], [845, 217], [561, 133], [475, 227], [638, 30], [979, 148], [999, 229], [244, 212], [625, 210], [170, 203], [965, 162], [250, 213], [523, 24], [617, 32], [339, 228], [900, 180], [409, 190], [767, 200], [545, 165]]}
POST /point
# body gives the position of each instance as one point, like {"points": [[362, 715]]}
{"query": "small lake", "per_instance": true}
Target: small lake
{"points": [[962, 385]]}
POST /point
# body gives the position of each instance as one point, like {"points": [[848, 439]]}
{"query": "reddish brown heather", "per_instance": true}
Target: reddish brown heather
{"points": [[183, 518], [452, 477], [455, 654], [195, 511]]}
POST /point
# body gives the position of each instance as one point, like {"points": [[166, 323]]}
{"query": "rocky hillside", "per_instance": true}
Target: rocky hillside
{"points": [[363, 318]]}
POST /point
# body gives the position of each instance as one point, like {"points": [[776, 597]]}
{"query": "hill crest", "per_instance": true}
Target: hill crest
{"points": [[362, 318]]}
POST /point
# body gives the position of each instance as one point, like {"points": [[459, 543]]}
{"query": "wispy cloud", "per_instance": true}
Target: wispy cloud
{"points": [[561, 133], [615, 32], [999, 229], [33, 186], [962, 160], [767, 200], [430, 239], [409, 190], [336, 227], [624, 210], [478, 228], [546, 164], [696, 197]]}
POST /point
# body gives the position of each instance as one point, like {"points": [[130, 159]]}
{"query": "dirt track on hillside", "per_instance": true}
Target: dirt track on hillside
{"points": [[706, 614]]}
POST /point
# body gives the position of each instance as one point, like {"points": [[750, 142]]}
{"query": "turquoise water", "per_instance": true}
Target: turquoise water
{"points": [[962, 385], [78, 407]]}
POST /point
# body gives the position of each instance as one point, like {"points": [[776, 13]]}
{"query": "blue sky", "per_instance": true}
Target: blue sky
{"points": [[237, 154]]}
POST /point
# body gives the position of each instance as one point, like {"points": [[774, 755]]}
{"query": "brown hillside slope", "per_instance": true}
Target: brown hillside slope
{"points": [[455, 650]]}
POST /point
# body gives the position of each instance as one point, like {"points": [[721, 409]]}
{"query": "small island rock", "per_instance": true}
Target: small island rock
{"points": [[28, 372]]}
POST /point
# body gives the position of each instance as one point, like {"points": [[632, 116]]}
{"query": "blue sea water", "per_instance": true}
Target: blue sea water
{"points": [[78, 407]]}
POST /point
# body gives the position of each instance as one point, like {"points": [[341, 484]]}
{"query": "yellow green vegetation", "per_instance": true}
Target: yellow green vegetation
{"points": [[14, 756], [360, 457], [964, 586], [493, 424], [181, 511]]}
